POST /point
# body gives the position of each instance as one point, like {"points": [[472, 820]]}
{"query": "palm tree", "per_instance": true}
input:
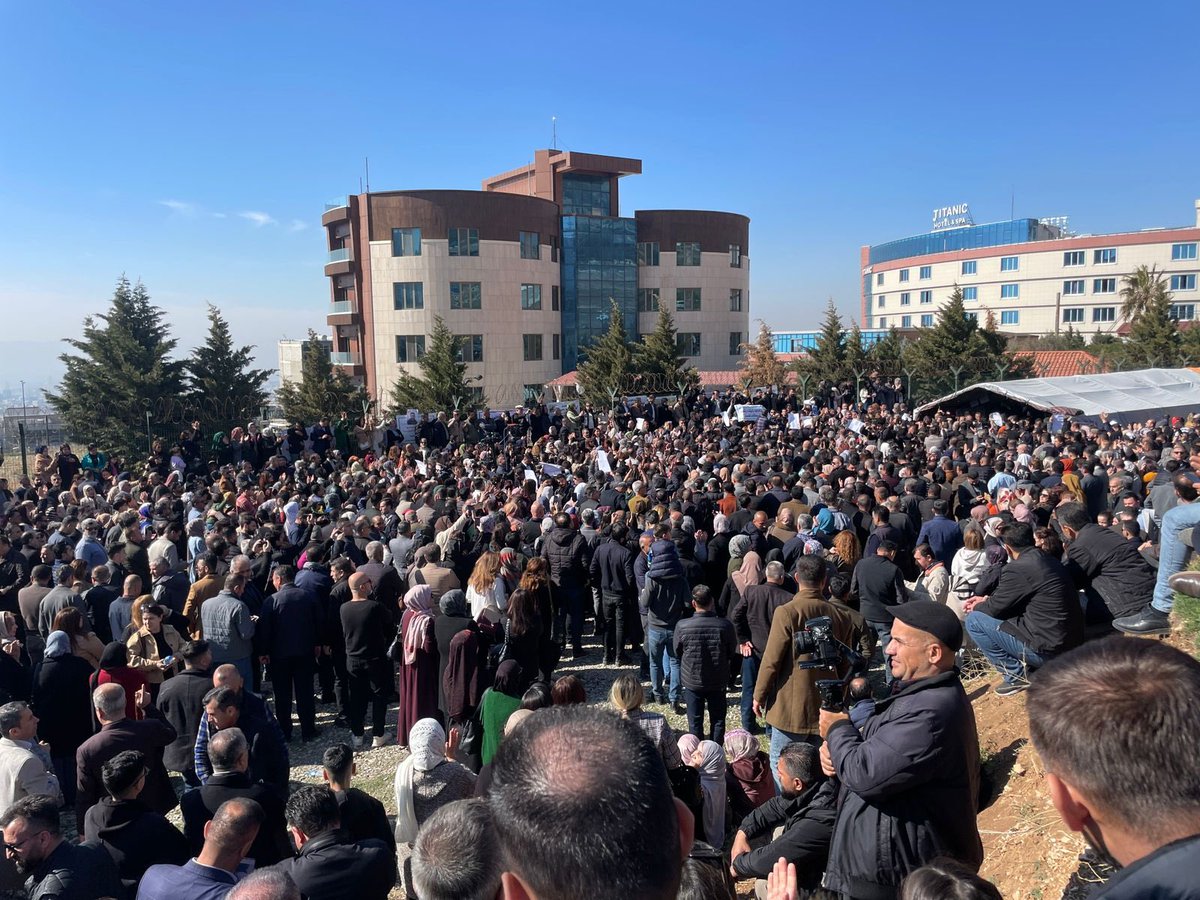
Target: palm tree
{"points": [[1143, 289]]}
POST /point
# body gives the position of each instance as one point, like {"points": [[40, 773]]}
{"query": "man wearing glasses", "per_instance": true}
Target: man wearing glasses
{"points": [[54, 867]]}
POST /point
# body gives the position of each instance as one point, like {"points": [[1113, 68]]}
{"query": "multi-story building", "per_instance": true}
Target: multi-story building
{"points": [[1032, 275], [291, 358], [527, 271]]}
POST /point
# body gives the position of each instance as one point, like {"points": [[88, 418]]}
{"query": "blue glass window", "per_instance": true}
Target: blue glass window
{"points": [[406, 242], [879, 278], [904, 274], [532, 347], [531, 296], [735, 300], [926, 296], [1010, 291], [586, 195], [1072, 314], [687, 299], [970, 293], [926, 272], [1010, 317], [905, 298], [531, 247], [465, 295], [1183, 312], [647, 300], [735, 343], [969, 266], [408, 295], [470, 348], [687, 253], [1106, 255], [1073, 258], [1075, 286], [687, 343], [970, 237], [599, 267], [881, 301], [1104, 314], [1183, 251], [1104, 285], [464, 241], [1183, 283], [927, 320], [1009, 263], [409, 347], [906, 321], [648, 253]]}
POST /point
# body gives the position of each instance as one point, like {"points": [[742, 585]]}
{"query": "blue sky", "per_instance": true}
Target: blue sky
{"points": [[193, 145]]}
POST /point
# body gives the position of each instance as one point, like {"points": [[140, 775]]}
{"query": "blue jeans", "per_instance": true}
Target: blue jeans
{"points": [[1012, 659], [750, 666], [779, 740], [660, 641], [696, 702], [1172, 552]]}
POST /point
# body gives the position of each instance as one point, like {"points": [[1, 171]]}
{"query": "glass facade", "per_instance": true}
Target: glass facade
{"points": [[971, 237], [586, 195], [799, 341], [599, 268]]}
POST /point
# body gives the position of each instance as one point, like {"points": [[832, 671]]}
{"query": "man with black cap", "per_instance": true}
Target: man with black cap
{"points": [[910, 778]]}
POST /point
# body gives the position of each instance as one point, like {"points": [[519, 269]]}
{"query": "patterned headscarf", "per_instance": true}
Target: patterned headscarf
{"points": [[740, 744]]}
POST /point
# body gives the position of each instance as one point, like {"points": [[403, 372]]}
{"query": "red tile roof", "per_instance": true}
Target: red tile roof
{"points": [[1056, 363]]}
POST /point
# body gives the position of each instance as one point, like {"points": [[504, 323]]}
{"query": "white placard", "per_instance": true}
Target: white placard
{"points": [[529, 476], [551, 469], [749, 412], [602, 462]]}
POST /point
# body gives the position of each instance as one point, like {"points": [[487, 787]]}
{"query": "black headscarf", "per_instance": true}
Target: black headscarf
{"points": [[508, 678], [115, 656], [454, 603]]}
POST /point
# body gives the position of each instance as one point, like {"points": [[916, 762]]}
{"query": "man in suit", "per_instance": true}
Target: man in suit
{"points": [[268, 757], [230, 755], [181, 700], [149, 736], [290, 627]]}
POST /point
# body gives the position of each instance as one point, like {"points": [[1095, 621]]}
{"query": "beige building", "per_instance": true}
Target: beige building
{"points": [[1031, 275], [291, 359]]}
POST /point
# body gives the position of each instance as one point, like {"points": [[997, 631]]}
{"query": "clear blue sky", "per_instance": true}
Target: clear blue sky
{"points": [[192, 145]]}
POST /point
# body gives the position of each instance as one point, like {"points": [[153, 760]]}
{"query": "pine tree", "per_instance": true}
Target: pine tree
{"points": [[121, 371], [604, 373], [856, 361], [761, 364], [829, 356], [223, 391], [442, 384], [322, 390], [657, 358], [887, 354], [1154, 339], [956, 351]]}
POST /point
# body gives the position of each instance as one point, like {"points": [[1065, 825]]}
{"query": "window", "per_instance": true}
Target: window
{"points": [[531, 296], [971, 316], [926, 296], [735, 343], [1183, 312], [904, 274], [687, 343], [533, 346], [554, 297], [1010, 317], [906, 321], [879, 278], [735, 300], [1010, 291], [1073, 287], [927, 320], [409, 347], [531, 245], [470, 348], [926, 272], [1183, 282], [1107, 255], [687, 253], [406, 242], [408, 295], [1104, 286], [556, 342], [687, 299], [1072, 315], [1009, 263], [1183, 251], [553, 248], [464, 241], [647, 253], [970, 293], [969, 266], [647, 299], [1104, 314], [735, 256], [533, 394], [882, 322], [1073, 258], [881, 301], [465, 295], [905, 299]]}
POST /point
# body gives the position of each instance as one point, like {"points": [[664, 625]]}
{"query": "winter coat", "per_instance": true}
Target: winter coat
{"points": [[566, 551], [226, 625], [1112, 566], [1037, 604], [332, 868], [181, 700], [62, 699], [910, 785], [807, 821], [612, 571], [135, 837], [666, 594], [878, 584], [1169, 873], [705, 645]]}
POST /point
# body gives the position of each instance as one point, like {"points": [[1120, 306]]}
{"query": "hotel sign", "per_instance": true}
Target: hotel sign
{"points": [[952, 216]]}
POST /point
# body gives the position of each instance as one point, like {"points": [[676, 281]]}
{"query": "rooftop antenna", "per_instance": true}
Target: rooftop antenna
{"points": [[554, 132], [367, 171]]}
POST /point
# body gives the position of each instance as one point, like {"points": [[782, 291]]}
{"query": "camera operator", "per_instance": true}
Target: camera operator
{"points": [[910, 780], [1133, 790]]}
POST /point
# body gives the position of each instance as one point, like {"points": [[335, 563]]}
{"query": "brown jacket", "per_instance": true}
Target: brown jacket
{"points": [[204, 589], [789, 693], [144, 655]]}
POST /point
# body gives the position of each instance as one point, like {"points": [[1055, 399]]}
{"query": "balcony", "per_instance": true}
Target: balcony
{"points": [[342, 308], [339, 261], [349, 358], [342, 254], [337, 203], [337, 210]]}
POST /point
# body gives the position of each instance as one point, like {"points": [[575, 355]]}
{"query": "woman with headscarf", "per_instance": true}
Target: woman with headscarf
{"points": [[748, 779], [428, 779], [747, 575], [685, 779], [62, 700], [1074, 487], [498, 703], [115, 669], [739, 546], [419, 663], [455, 618], [709, 760]]}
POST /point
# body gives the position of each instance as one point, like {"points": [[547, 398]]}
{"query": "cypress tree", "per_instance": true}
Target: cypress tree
{"points": [[604, 372], [761, 364], [223, 390], [657, 357], [442, 383]]}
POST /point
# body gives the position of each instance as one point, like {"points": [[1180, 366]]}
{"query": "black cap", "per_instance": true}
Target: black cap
{"points": [[932, 618]]}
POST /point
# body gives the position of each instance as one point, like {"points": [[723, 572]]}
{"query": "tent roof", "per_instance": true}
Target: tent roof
{"points": [[1124, 396]]}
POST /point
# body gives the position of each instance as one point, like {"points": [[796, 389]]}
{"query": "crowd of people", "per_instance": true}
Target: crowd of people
{"points": [[171, 625]]}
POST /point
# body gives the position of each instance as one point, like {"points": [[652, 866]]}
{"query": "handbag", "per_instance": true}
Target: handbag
{"points": [[498, 652]]}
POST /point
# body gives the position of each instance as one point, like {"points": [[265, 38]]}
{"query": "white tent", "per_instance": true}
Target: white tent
{"points": [[1120, 396]]}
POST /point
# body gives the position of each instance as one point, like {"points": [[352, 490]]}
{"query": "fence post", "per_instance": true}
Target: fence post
{"points": [[21, 440]]}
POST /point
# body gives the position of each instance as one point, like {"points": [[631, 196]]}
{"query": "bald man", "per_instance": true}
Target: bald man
{"points": [[252, 706]]}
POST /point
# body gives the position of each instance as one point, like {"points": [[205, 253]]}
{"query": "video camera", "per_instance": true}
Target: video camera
{"points": [[825, 651]]}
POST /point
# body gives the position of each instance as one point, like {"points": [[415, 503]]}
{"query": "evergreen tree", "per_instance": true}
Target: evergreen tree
{"points": [[856, 361], [122, 369], [1189, 346], [223, 390], [887, 354], [761, 364], [604, 372], [657, 358], [1154, 338], [442, 385], [322, 390], [829, 356]]}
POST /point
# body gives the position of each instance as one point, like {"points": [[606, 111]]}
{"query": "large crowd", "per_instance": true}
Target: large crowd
{"points": [[833, 563]]}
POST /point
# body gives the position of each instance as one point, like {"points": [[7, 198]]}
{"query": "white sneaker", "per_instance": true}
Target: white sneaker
{"points": [[382, 741]]}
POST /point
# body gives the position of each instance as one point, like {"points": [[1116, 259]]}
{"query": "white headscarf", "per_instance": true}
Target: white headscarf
{"points": [[427, 746]]}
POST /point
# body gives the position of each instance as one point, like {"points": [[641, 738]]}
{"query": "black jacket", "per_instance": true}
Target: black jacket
{"points": [[910, 784], [181, 700], [62, 699], [200, 804], [326, 868], [1113, 568], [752, 614], [666, 593], [705, 645], [807, 821], [135, 837], [566, 552], [74, 872], [364, 817], [878, 584], [1169, 873], [1037, 603], [291, 623], [149, 736], [612, 571]]}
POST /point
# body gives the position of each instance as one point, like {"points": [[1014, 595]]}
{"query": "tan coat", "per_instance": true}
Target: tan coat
{"points": [[89, 647], [204, 589], [144, 655]]}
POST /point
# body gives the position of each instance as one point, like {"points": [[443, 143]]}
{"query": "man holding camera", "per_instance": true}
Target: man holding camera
{"points": [[910, 779]]}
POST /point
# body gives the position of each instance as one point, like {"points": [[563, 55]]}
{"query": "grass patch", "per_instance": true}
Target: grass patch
{"points": [[1187, 611]]}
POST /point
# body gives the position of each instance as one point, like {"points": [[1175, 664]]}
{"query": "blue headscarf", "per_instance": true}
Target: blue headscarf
{"points": [[58, 644]]}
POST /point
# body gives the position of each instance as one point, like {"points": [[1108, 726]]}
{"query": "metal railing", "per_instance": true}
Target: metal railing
{"points": [[337, 203]]}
